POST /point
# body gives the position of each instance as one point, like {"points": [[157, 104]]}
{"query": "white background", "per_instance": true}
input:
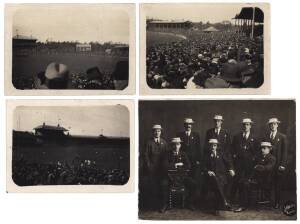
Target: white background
{"points": [[123, 208]]}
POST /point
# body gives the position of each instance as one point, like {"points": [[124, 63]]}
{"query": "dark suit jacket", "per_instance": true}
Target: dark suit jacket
{"points": [[223, 138], [171, 158], [154, 154], [244, 151], [264, 176], [191, 146], [279, 148], [220, 165]]}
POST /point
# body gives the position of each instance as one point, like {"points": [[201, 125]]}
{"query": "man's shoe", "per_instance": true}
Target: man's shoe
{"points": [[163, 209], [277, 206], [192, 207], [240, 209]]}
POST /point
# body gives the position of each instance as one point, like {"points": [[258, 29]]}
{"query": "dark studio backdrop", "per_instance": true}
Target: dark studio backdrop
{"points": [[170, 115]]}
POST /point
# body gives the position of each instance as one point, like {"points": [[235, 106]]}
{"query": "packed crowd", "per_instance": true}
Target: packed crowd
{"points": [[206, 60], [85, 172]]}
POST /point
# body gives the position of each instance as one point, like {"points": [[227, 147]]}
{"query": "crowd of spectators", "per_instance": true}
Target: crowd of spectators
{"points": [[221, 59], [82, 172]]}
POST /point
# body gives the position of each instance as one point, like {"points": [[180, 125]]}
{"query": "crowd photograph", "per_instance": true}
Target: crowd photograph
{"points": [[53, 48], [70, 145], [204, 46], [217, 160]]}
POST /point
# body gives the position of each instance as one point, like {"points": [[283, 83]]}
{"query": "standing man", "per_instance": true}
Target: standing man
{"points": [[192, 147], [245, 150], [279, 146], [191, 144], [155, 151], [219, 133]]}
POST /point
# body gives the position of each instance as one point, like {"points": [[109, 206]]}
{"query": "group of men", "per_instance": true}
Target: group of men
{"points": [[224, 166], [214, 60]]}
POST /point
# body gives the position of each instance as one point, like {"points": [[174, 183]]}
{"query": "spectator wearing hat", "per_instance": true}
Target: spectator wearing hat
{"points": [[279, 146], [217, 165], [245, 150], [56, 76], [155, 149], [177, 159]]}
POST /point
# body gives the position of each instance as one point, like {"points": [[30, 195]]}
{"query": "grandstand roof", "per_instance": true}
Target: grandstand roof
{"points": [[210, 29], [171, 21], [51, 127], [247, 13], [22, 37]]}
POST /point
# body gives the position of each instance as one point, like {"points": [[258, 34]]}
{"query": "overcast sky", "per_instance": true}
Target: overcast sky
{"points": [[88, 120], [84, 23], [196, 12]]}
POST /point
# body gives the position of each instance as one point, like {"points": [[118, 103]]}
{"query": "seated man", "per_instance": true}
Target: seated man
{"points": [[176, 159], [216, 165], [262, 175], [264, 169]]}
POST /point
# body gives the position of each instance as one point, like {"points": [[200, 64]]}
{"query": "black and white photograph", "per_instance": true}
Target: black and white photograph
{"points": [[70, 47], [53, 145], [217, 159], [198, 47]]}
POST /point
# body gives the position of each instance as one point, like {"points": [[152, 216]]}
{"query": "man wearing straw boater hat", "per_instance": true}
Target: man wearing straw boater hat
{"points": [[262, 175], [279, 146], [56, 76], [177, 159], [155, 150], [217, 132], [244, 148], [191, 144], [217, 166]]}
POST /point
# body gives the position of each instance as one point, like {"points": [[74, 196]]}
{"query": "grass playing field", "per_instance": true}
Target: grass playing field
{"points": [[160, 37]]}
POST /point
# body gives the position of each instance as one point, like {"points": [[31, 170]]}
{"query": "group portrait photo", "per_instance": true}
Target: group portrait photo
{"points": [[217, 160]]}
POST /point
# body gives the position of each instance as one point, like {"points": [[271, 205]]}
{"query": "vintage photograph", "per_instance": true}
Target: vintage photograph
{"points": [[53, 145], [217, 160], [196, 47], [70, 46]]}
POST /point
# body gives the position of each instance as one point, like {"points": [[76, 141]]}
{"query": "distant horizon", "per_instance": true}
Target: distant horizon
{"points": [[91, 121]]}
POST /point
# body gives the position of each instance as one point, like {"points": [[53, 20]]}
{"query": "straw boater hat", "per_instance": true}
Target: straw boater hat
{"points": [[218, 117], [56, 71], [247, 120], [157, 126], [188, 121], [273, 120], [266, 144], [176, 140], [213, 141]]}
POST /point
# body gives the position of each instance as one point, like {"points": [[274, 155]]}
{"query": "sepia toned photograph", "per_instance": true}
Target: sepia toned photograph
{"points": [[70, 47], [69, 145], [217, 160], [204, 48]]}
